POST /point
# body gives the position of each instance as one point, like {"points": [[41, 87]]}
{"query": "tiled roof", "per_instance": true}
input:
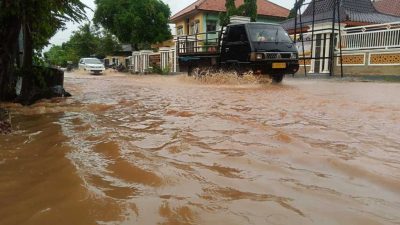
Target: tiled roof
{"points": [[358, 11], [391, 7], [264, 8]]}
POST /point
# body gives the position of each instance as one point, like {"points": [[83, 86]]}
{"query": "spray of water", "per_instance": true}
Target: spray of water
{"points": [[228, 78]]}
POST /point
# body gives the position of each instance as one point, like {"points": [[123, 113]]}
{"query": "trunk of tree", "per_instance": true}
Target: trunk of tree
{"points": [[28, 78], [8, 50]]}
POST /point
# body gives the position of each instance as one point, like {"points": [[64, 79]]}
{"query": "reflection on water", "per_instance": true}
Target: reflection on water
{"points": [[171, 150]]}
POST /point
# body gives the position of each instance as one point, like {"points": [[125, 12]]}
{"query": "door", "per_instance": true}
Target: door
{"points": [[236, 46], [319, 53], [82, 64]]}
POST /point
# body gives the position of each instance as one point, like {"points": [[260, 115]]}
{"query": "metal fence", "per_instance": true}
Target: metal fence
{"points": [[380, 36]]}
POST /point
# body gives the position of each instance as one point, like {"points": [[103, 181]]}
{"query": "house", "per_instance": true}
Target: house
{"points": [[368, 45], [203, 15], [352, 13], [119, 57], [390, 7]]}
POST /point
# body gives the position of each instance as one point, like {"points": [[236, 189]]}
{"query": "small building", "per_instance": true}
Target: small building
{"points": [[203, 15], [120, 57]]}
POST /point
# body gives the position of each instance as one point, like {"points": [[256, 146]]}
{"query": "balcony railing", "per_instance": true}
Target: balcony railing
{"points": [[380, 36], [201, 43]]}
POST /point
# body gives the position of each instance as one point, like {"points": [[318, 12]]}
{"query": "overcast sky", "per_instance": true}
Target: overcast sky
{"points": [[175, 5]]}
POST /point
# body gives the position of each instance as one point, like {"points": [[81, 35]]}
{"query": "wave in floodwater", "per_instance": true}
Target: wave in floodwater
{"points": [[219, 150]]}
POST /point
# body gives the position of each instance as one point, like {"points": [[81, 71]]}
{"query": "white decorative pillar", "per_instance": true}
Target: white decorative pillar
{"points": [[325, 30], [164, 55], [136, 62], [145, 57], [176, 59], [173, 59], [312, 65], [327, 53]]}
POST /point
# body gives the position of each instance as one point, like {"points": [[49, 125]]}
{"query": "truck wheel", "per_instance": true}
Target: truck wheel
{"points": [[277, 78], [190, 71], [194, 72]]}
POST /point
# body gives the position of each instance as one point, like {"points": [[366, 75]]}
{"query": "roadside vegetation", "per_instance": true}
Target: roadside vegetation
{"points": [[88, 41], [38, 21], [29, 24], [139, 23], [249, 8]]}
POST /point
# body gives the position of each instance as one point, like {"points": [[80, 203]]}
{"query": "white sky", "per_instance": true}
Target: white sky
{"points": [[175, 5]]}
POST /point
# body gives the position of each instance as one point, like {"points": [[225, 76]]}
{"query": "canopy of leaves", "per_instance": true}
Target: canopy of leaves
{"points": [[40, 19], [139, 22], [88, 41], [249, 8], [43, 17]]}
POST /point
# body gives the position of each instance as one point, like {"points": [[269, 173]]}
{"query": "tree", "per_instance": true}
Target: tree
{"points": [[294, 11], [249, 8], [139, 22], [108, 44], [85, 42], [224, 18], [38, 21]]}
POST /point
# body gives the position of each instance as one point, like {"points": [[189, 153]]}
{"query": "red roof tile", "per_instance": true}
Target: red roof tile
{"points": [[391, 7], [264, 8]]}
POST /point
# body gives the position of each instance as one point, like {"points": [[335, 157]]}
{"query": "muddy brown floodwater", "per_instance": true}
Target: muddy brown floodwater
{"points": [[170, 150]]}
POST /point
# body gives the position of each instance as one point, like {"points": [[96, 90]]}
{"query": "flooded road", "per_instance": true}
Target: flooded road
{"points": [[170, 150]]}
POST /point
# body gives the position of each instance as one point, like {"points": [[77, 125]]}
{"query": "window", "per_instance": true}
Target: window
{"points": [[194, 28], [211, 25], [268, 33], [179, 30], [237, 33]]}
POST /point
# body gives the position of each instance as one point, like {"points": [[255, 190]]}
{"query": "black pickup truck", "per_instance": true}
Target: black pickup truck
{"points": [[259, 47]]}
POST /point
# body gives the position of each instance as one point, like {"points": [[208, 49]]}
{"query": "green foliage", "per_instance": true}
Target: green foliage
{"points": [[231, 10], [156, 69], [44, 17], [86, 42], [249, 8], [108, 44], [139, 22], [40, 20], [295, 9], [59, 56]]}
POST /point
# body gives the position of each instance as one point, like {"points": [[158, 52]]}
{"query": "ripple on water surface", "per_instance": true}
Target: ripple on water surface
{"points": [[225, 150]]}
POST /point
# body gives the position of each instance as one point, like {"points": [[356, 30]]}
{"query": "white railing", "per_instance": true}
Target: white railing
{"points": [[380, 36]]}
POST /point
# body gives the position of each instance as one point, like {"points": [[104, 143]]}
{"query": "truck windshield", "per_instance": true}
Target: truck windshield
{"points": [[268, 33]]}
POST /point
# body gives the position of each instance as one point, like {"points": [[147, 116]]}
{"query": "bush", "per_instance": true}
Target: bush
{"points": [[158, 70]]}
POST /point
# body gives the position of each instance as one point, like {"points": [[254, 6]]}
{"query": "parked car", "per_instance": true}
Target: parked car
{"points": [[92, 65]]}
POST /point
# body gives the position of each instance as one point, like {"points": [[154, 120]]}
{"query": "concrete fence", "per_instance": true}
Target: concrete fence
{"points": [[144, 61], [370, 50], [364, 50]]}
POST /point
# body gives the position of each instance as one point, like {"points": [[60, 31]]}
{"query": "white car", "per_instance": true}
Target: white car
{"points": [[93, 65]]}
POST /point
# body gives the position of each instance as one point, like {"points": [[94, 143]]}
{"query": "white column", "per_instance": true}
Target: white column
{"points": [[312, 65], [173, 59], [136, 61], [145, 59], [327, 53], [164, 55]]}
